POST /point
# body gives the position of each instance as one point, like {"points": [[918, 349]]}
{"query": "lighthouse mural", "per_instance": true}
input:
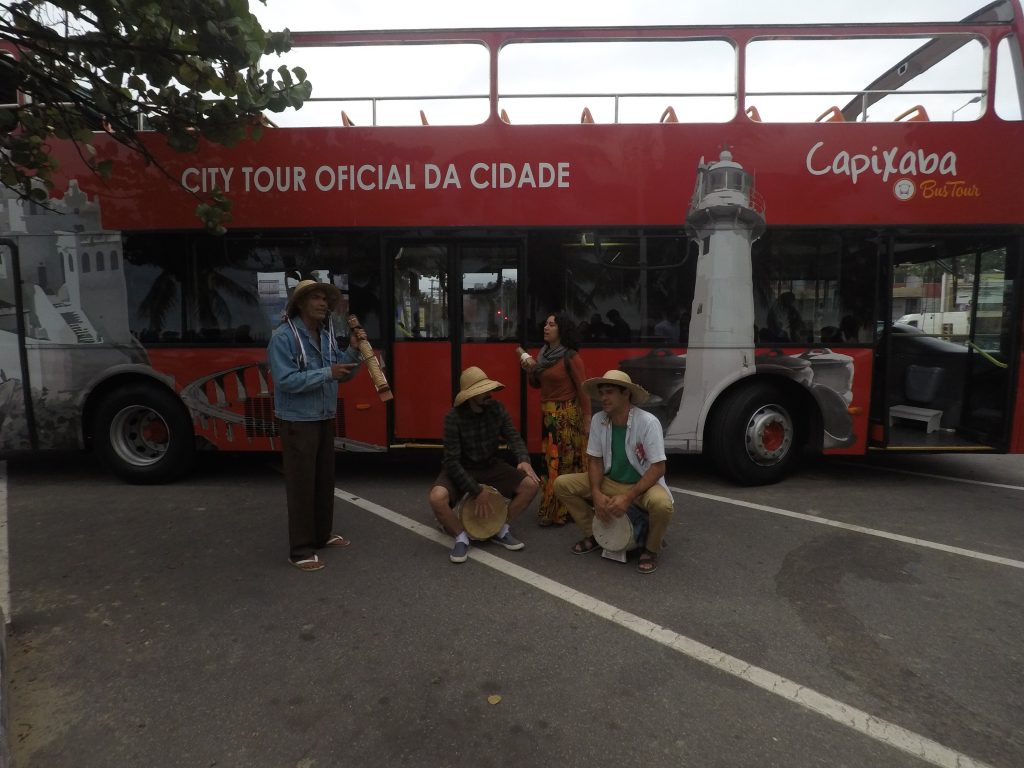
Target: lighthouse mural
{"points": [[724, 220], [751, 429]]}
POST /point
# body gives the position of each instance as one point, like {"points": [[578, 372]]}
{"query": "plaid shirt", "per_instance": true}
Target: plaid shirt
{"points": [[471, 442]]}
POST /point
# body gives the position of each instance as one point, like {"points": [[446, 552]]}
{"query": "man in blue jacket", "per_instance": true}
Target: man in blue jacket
{"points": [[307, 366]]}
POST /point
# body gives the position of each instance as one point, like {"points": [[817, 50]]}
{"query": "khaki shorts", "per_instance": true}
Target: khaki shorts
{"points": [[501, 475]]}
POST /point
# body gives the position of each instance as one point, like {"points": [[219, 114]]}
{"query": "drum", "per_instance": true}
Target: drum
{"points": [[624, 533], [482, 528]]}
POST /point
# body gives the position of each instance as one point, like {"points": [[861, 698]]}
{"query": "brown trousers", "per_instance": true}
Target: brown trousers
{"points": [[308, 457]]}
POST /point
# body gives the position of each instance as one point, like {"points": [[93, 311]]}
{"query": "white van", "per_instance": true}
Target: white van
{"points": [[944, 324]]}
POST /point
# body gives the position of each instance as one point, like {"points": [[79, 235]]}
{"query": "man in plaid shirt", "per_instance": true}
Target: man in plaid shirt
{"points": [[473, 430]]}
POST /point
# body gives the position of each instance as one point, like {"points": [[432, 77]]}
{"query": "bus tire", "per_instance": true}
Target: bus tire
{"points": [[143, 434], [754, 435]]}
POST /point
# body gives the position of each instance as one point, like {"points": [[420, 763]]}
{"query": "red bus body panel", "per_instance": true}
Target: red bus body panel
{"points": [[611, 175]]}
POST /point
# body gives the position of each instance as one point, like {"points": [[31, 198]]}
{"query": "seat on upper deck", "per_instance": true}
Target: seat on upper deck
{"points": [[831, 115], [669, 115], [915, 114]]}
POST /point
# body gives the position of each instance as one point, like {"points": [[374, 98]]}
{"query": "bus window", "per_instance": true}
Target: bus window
{"points": [[391, 85], [553, 82], [618, 287], [1009, 80], [154, 274], [814, 287], [421, 292], [203, 289], [874, 79], [8, 80], [490, 294], [239, 288]]}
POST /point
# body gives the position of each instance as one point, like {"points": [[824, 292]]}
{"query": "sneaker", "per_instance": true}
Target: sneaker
{"points": [[459, 552], [508, 541]]}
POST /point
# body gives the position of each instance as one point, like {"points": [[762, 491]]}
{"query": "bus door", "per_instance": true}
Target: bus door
{"points": [[456, 305], [489, 325], [988, 403], [948, 347]]}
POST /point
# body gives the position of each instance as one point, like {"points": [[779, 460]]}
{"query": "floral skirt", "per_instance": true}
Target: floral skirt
{"points": [[562, 444]]}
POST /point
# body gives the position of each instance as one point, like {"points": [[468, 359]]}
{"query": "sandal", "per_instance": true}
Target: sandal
{"points": [[311, 563], [648, 562], [337, 540], [585, 545]]}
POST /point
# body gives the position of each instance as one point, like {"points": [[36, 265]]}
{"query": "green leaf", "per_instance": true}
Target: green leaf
{"points": [[193, 66]]}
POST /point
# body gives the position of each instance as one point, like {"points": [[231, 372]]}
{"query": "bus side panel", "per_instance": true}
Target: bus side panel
{"points": [[859, 405], [501, 363], [421, 378], [229, 393]]}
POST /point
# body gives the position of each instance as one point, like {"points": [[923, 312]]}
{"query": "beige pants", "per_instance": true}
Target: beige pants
{"points": [[574, 492]]}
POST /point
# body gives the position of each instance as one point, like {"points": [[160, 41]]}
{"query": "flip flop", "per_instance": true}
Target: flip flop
{"points": [[311, 563], [337, 540]]}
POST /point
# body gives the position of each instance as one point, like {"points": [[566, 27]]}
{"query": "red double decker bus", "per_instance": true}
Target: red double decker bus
{"points": [[798, 237]]}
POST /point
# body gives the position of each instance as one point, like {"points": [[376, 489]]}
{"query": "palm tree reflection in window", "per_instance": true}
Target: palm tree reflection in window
{"points": [[216, 295]]}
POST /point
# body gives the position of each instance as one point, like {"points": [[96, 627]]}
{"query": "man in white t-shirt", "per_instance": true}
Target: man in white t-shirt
{"points": [[627, 467]]}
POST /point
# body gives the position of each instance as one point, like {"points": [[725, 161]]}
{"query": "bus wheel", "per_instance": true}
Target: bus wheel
{"points": [[144, 434], [753, 435]]}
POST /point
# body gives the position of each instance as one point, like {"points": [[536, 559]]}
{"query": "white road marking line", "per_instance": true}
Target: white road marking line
{"points": [[934, 477], [873, 727], [856, 528]]}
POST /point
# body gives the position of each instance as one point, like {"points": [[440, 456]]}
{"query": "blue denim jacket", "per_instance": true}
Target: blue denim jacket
{"points": [[308, 394]]}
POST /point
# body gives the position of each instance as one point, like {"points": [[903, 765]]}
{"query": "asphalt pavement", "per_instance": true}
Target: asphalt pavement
{"points": [[162, 626]]}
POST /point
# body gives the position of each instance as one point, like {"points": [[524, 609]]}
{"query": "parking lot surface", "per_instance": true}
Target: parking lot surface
{"points": [[864, 612]]}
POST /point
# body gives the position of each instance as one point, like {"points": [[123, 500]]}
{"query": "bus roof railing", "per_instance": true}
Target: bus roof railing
{"points": [[863, 98]]}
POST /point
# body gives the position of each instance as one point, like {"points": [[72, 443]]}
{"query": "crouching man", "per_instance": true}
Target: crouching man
{"points": [[627, 466], [473, 430]]}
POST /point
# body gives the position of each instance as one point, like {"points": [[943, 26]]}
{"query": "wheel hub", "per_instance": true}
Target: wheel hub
{"points": [[769, 435], [139, 436]]}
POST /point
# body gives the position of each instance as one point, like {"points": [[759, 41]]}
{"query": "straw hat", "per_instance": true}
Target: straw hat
{"points": [[619, 379], [474, 382], [304, 287], [482, 528]]}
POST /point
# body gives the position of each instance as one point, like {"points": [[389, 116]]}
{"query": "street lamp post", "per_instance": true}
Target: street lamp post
{"points": [[975, 100]]}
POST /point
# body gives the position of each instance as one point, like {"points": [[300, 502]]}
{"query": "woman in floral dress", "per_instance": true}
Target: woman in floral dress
{"points": [[565, 411]]}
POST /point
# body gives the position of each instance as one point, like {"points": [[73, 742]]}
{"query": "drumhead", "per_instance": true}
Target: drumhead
{"points": [[481, 528], [614, 535]]}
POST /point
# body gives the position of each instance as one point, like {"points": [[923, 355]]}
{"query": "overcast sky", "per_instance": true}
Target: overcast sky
{"points": [[416, 14], [340, 74]]}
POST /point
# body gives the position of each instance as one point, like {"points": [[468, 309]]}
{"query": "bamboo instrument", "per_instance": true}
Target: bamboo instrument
{"points": [[376, 374]]}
